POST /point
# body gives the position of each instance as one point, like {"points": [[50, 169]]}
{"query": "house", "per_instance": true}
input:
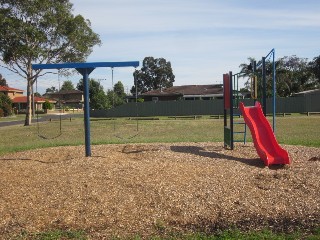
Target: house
{"points": [[67, 98], [11, 92], [185, 92], [20, 103]]}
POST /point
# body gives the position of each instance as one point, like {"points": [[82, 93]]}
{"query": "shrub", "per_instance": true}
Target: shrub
{"points": [[47, 105], [7, 109], [1, 113], [5, 105]]}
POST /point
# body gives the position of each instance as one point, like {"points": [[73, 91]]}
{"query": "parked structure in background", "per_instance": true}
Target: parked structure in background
{"points": [[185, 92], [67, 99], [11, 92], [20, 101]]}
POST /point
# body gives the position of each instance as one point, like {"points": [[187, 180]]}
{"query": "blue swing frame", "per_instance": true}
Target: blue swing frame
{"points": [[85, 69]]}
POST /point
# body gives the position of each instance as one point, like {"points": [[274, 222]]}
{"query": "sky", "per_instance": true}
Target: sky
{"points": [[201, 38]]}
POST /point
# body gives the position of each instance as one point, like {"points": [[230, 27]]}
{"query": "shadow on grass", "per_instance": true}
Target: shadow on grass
{"points": [[199, 151]]}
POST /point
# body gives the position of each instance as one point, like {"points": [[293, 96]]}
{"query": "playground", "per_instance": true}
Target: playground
{"points": [[156, 189], [125, 178]]}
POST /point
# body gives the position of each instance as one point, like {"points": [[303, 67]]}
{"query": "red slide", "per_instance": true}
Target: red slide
{"points": [[264, 140]]}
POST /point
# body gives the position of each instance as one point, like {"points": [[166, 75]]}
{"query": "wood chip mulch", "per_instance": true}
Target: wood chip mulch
{"points": [[146, 189]]}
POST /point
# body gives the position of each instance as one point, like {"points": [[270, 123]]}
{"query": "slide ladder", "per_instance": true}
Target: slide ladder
{"points": [[240, 130], [239, 126]]}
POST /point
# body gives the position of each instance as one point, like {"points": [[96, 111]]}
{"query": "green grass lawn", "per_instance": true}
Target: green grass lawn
{"points": [[13, 118], [224, 235], [293, 130]]}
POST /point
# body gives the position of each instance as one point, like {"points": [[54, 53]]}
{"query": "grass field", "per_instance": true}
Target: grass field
{"points": [[292, 130]]}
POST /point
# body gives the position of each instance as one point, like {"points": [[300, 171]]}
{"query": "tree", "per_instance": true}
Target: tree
{"points": [[41, 31], [67, 85], [51, 90], [98, 98], [5, 105], [3, 81], [247, 72], [119, 89], [116, 97], [47, 105], [36, 94], [314, 67], [155, 73], [292, 75]]}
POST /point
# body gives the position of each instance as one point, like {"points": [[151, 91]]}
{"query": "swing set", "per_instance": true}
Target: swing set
{"points": [[85, 69], [117, 134], [39, 132]]}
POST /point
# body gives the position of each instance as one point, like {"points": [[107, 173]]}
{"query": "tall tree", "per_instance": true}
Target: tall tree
{"points": [[5, 105], [51, 90], [97, 96], [293, 75], [36, 94], [155, 73], [247, 72], [119, 89], [3, 81], [41, 31], [315, 69], [67, 85], [116, 97]]}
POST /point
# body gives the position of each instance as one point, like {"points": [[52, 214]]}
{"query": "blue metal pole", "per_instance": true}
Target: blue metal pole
{"points": [[231, 110], [86, 112], [264, 87], [274, 93]]}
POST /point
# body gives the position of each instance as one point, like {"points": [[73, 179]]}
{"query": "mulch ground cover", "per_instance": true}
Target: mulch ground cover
{"points": [[151, 189]]}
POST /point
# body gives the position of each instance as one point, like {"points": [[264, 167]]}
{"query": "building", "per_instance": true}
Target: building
{"points": [[11, 92], [185, 92], [20, 103], [67, 98]]}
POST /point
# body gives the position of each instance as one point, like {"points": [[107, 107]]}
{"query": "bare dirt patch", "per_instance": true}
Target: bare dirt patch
{"points": [[146, 189]]}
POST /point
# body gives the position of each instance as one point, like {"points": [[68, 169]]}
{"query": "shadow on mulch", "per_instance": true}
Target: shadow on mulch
{"points": [[256, 162]]}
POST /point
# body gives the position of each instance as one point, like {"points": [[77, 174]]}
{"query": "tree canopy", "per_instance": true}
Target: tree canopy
{"points": [[293, 74], [97, 96], [155, 73], [41, 31], [51, 90], [116, 97], [3, 81], [67, 85], [315, 69], [5, 105]]}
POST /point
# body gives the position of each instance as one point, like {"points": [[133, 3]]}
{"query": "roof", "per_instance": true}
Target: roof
{"points": [[314, 91], [23, 99], [9, 89], [65, 92], [188, 90]]}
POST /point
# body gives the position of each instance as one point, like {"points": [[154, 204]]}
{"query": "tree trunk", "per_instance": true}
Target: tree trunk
{"points": [[29, 109]]}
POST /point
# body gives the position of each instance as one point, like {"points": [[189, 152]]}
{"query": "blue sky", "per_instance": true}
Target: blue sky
{"points": [[201, 38]]}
